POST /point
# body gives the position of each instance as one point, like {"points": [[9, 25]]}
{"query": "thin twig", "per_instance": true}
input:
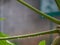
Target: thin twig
{"points": [[30, 35], [58, 3], [39, 12]]}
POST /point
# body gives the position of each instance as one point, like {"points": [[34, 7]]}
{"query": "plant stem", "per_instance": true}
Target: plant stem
{"points": [[58, 28], [39, 12], [30, 35], [58, 3]]}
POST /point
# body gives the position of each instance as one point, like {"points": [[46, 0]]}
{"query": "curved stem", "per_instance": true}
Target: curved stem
{"points": [[39, 12], [30, 35]]}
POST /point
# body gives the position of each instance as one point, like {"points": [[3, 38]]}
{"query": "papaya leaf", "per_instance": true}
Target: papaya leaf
{"points": [[5, 42], [43, 42]]}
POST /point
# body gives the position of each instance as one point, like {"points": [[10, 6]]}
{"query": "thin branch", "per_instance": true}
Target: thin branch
{"points": [[58, 3], [39, 12], [30, 35]]}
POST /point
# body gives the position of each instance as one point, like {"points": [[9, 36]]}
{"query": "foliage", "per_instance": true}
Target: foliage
{"points": [[43, 42], [4, 38], [5, 42], [1, 19]]}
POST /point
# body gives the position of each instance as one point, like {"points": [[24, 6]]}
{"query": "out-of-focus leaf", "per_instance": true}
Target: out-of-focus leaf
{"points": [[5, 42], [43, 42], [1, 19]]}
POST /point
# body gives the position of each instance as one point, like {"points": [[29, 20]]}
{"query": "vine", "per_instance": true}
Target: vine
{"points": [[42, 14]]}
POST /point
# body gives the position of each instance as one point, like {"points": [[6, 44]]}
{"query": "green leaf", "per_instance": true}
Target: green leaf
{"points": [[43, 42], [5, 42], [2, 19]]}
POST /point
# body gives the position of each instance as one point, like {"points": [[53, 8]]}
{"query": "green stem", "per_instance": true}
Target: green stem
{"points": [[29, 35], [58, 3], [39, 12]]}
